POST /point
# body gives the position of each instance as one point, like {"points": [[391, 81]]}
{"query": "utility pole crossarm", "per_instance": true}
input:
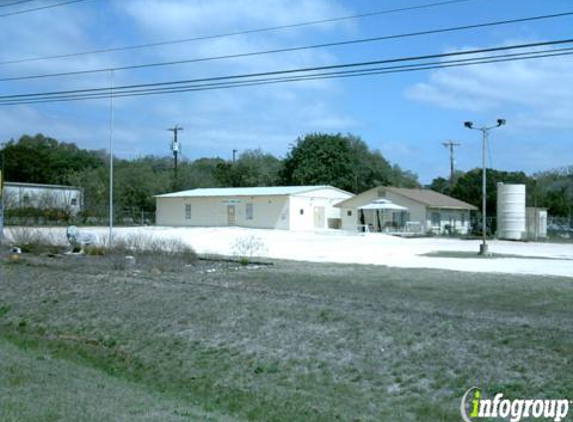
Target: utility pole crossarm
{"points": [[450, 145]]}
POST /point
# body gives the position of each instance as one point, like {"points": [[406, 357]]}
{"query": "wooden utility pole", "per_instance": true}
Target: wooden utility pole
{"points": [[175, 147], [450, 145]]}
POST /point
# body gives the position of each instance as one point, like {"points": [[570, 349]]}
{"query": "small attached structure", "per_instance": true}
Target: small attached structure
{"points": [[281, 207], [390, 209], [536, 223]]}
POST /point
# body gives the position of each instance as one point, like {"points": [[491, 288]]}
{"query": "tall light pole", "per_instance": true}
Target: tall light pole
{"points": [[485, 134]]}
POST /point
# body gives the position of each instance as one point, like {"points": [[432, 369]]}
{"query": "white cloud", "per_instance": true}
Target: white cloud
{"points": [[215, 121], [537, 93], [172, 18]]}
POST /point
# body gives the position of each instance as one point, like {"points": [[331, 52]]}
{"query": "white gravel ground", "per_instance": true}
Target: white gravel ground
{"points": [[378, 249]]}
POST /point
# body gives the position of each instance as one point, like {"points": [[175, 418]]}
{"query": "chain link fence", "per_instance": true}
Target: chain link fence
{"points": [[128, 216]]}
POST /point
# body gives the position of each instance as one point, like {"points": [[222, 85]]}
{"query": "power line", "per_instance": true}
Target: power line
{"points": [[41, 8], [291, 49], [250, 82], [298, 70], [265, 81], [398, 69], [16, 3], [262, 82], [231, 34]]}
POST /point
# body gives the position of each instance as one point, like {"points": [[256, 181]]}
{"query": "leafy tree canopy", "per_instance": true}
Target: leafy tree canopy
{"points": [[40, 159], [342, 161]]}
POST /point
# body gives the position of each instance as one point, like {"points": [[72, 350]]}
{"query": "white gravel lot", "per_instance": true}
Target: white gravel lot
{"points": [[377, 249]]}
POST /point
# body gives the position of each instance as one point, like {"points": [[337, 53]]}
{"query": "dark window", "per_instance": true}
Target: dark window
{"points": [[349, 213], [74, 201], [249, 211], [436, 219], [301, 211], [188, 211]]}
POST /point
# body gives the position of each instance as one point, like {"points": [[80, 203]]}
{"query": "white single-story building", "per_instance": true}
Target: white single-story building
{"points": [[42, 196], [387, 208], [281, 207]]}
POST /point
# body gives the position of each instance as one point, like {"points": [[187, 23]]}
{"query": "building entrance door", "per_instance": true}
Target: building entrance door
{"points": [[230, 215], [319, 218]]}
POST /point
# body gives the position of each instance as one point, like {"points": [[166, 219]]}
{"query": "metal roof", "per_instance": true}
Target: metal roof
{"points": [[426, 197], [257, 191], [38, 185], [431, 198]]}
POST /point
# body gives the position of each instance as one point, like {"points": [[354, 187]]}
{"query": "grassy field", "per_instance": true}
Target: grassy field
{"points": [[288, 342]]}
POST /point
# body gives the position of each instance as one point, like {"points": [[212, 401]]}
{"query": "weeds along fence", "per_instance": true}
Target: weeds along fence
{"points": [[127, 216]]}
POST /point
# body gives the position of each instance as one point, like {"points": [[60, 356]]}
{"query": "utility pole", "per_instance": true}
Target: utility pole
{"points": [[234, 152], [451, 144], [485, 135], [175, 148]]}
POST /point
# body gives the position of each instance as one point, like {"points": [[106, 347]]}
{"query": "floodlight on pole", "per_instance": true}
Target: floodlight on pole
{"points": [[485, 135]]}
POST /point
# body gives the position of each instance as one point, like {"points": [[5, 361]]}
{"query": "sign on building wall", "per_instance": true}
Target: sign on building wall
{"points": [[231, 201]]}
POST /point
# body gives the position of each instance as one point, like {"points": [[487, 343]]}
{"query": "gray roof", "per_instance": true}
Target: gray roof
{"points": [[427, 197], [431, 198], [257, 191]]}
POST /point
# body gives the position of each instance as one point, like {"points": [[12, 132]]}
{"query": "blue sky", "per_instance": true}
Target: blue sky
{"points": [[406, 116]]}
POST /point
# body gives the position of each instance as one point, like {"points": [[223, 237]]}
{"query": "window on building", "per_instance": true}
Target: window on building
{"points": [[349, 213], [463, 219], [74, 201], [436, 219], [249, 211], [188, 211], [26, 200], [301, 211]]}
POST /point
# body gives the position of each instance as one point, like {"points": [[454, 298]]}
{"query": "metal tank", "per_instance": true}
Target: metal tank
{"points": [[511, 212]]}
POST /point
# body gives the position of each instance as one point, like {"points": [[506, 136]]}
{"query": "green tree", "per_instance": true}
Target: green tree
{"points": [[40, 159], [554, 189], [252, 168], [468, 187], [201, 173], [342, 161], [320, 159]]}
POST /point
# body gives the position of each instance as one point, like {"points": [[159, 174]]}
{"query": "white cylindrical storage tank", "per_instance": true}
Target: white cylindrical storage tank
{"points": [[511, 212]]}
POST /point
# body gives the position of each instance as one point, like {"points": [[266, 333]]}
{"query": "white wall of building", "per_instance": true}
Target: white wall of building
{"points": [[317, 208], [417, 212], [308, 211], [267, 211], [21, 195]]}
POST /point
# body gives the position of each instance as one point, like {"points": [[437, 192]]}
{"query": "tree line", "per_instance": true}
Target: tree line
{"points": [[552, 189], [344, 161]]}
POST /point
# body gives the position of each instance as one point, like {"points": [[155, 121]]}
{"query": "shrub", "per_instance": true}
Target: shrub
{"points": [[151, 252], [245, 248], [32, 240]]}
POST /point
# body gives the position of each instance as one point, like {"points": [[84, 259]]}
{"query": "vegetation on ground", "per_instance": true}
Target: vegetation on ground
{"points": [[288, 342]]}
